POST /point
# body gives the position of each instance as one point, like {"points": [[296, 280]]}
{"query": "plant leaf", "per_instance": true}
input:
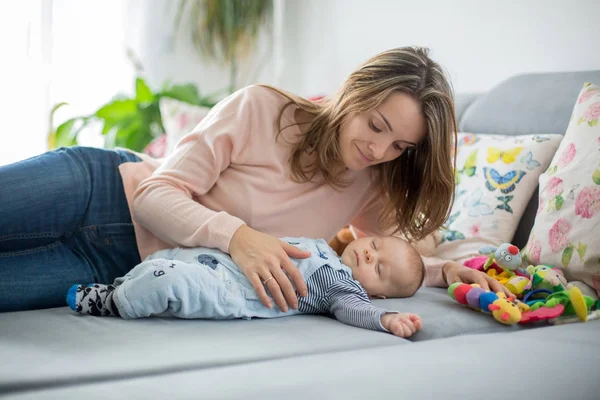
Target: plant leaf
{"points": [[143, 94], [66, 134], [187, 93], [559, 202], [108, 125], [581, 249], [51, 139], [124, 130], [471, 161], [132, 133], [551, 205], [596, 177], [457, 177], [566, 255], [117, 110], [225, 31], [593, 123]]}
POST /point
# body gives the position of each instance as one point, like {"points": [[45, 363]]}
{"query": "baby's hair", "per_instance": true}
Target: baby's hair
{"points": [[421, 270], [419, 266], [416, 265]]}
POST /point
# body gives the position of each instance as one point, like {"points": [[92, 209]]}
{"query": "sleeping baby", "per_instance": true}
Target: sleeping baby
{"points": [[206, 283]]}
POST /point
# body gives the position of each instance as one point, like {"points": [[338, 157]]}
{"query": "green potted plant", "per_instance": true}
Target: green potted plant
{"points": [[225, 31], [131, 122]]}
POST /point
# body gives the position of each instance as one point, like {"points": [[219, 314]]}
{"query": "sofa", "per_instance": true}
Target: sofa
{"points": [[460, 353]]}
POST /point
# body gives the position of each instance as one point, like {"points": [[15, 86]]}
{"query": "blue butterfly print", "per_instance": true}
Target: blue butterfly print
{"points": [[452, 218], [474, 205], [506, 183], [505, 206], [528, 160], [540, 138], [449, 235], [208, 260]]}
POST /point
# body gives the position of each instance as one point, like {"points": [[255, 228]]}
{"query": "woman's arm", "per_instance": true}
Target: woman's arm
{"points": [[164, 203], [433, 272]]}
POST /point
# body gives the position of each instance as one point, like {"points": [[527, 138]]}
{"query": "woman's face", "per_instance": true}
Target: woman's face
{"points": [[379, 136]]}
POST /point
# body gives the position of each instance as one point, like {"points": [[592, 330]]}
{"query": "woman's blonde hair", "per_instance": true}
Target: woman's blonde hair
{"points": [[418, 186]]}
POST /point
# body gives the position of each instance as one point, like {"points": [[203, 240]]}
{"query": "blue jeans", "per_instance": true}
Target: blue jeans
{"points": [[64, 219]]}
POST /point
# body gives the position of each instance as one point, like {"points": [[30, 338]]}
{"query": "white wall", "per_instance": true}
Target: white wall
{"points": [[168, 56], [478, 42]]}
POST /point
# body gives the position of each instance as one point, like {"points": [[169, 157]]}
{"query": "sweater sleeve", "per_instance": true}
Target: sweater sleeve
{"points": [[166, 204], [366, 224], [349, 303]]}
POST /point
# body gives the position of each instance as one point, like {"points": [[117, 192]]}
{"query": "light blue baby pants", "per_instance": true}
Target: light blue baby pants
{"points": [[189, 283]]}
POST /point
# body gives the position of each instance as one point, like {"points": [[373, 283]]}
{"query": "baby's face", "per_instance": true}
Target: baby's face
{"points": [[381, 264]]}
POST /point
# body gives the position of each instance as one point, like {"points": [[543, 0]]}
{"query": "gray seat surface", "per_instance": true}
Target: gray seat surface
{"points": [[444, 317], [54, 346], [48, 347], [548, 363], [527, 104]]}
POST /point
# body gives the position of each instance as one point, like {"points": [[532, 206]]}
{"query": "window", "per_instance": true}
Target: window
{"points": [[53, 51]]}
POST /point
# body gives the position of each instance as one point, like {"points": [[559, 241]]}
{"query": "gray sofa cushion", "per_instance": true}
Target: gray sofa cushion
{"points": [[444, 317], [57, 347], [527, 104], [462, 101], [550, 363]]}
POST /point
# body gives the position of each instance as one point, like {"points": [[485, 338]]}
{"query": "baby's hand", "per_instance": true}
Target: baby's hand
{"points": [[402, 324]]}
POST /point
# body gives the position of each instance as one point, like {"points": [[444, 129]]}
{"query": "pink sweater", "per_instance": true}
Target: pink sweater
{"points": [[233, 170]]}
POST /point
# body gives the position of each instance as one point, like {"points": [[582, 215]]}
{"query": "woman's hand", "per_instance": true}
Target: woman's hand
{"points": [[263, 258], [454, 272]]}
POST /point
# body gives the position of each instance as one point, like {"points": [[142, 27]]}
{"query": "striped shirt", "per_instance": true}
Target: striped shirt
{"points": [[334, 292], [331, 288]]}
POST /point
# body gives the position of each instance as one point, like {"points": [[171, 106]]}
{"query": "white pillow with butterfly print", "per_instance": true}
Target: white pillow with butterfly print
{"points": [[495, 178]]}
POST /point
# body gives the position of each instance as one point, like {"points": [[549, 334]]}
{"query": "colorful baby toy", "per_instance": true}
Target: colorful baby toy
{"points": [[506, 256], [542, 290], [503, 309], [510, 311], [501, 263]]}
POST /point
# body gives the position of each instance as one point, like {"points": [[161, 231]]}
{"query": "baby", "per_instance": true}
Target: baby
{"points": [[205, 283]]}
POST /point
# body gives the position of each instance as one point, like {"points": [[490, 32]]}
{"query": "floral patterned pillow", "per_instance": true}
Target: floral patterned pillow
{"points": [[495, 178], [566, 232], [179, 119]]}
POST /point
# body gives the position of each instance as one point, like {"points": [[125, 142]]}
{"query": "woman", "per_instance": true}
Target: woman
{"points": [[263, 164]]}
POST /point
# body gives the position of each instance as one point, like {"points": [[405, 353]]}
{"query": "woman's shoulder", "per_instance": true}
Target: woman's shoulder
{"points": [[257, 106], [263, 96], [268, 105]]}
